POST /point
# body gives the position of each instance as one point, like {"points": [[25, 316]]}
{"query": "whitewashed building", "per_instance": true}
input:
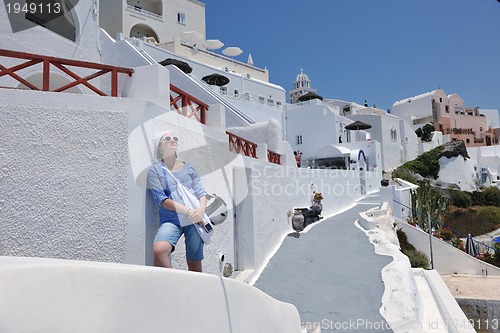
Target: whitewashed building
{"points": [[154, 20]]}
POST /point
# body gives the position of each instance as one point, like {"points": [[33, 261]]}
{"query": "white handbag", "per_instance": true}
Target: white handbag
{"points": [[206, 231]]}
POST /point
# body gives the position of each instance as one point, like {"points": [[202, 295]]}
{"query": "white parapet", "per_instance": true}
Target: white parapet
{"points": [[50, 295]]}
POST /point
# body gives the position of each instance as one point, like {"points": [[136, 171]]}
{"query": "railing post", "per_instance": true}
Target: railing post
{"points": [[46, 75], [185, 103], [114, 83]]}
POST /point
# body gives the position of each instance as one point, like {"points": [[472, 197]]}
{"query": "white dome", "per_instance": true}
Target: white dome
{"points": [[302, 76]]}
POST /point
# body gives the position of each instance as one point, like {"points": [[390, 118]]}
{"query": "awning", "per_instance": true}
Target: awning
{"points": [[183, 66], [358, 125], [216, 80], [309, 96], [332, 151]]}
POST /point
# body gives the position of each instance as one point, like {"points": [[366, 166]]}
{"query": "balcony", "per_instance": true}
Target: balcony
{"points": [[143, 11]]}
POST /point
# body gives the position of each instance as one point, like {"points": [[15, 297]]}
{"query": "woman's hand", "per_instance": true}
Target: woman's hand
{"points": [[196, 215]]}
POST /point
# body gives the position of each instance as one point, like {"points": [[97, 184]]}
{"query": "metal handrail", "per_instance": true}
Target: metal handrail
{"points": [[60, 63], [242, 146], [273, 157], [145, 12], [187, 100]]}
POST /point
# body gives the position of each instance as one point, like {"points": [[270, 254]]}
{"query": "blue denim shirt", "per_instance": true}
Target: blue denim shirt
{"points": [[162, 186]]}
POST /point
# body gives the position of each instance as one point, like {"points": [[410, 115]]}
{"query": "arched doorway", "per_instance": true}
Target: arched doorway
{"points": [[142, 30]]}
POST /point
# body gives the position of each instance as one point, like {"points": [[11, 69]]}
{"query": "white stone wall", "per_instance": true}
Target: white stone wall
{"points": [[73, 186], [41, 41], [115, 17], [315, 123], [62, 296], [418, 107]]}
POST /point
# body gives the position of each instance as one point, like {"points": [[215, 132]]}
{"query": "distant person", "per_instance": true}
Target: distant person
{"points": [[172, 210], [297, 158]]}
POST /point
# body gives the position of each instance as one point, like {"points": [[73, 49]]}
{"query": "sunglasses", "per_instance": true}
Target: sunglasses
{"points": [[168, 139]]}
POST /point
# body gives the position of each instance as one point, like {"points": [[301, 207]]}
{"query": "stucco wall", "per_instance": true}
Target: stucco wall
{"points": [[392, 150], [414, 107], [447, 258], [73, 182], [41, 41], [315, 122], [44, 295], [482, 314], [65, 184]]}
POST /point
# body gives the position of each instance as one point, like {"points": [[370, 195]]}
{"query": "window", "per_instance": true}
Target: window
{"points": [[467, 140], [394, 135], [440, 100], [223, 90], [447, 108], [236, 93], [299, 139], [480, 129], [261, 99], [181, 18]]}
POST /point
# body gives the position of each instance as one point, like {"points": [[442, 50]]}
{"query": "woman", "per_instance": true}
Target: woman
{"points": [[172, 211]]}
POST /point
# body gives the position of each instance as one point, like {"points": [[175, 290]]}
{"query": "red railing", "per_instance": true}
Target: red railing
{"points": [[241, 146], [61, 64], [273, 157], [459, 131], [190, 107]]}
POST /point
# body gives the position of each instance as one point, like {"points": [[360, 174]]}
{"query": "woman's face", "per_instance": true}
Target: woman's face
{"points": [[169, 144]]}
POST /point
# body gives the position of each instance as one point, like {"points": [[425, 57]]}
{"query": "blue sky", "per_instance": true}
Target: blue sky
{"points": [[375, 50]]}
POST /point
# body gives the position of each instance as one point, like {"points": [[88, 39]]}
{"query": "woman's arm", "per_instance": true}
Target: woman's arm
{"points": [[161, 196], [178, 207]]}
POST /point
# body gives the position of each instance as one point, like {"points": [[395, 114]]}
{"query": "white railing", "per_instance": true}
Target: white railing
{"points": [[145, 12]]}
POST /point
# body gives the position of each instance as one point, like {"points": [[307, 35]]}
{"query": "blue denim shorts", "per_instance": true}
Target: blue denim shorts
{"points": [[171, 233]]}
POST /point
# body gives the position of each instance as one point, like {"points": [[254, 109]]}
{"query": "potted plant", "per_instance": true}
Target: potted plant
{"points": [[317, 207], [317, 197]]}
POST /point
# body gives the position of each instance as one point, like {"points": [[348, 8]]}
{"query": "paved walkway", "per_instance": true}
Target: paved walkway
{"points": [[473, 286], [331, 274]]}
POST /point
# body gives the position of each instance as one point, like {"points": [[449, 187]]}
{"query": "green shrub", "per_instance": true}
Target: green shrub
{"points": [[427, 164], [477, 198], [403, 241], [473, 220], [426, 132], [418, 259], [491, 196], [490, 214], [460, 199], [495, 259], [405, 175]]}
